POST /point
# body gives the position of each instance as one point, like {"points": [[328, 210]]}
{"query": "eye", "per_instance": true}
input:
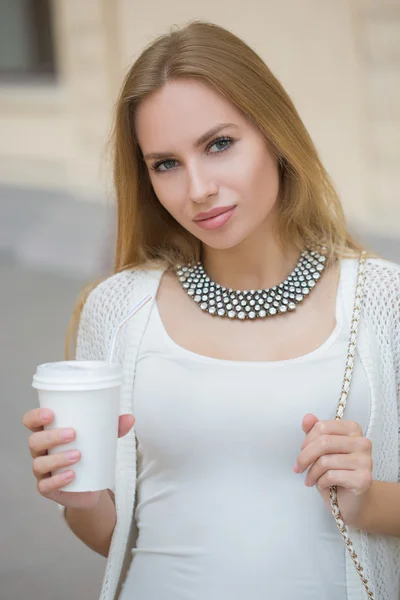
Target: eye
{"points": [[157, 166], [222, 144]]}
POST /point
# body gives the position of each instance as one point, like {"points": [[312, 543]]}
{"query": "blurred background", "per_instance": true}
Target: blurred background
{"points": [[61, 65]]}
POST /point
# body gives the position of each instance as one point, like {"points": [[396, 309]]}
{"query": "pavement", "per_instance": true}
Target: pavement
{"points": [[50, 246], [40, 558]]}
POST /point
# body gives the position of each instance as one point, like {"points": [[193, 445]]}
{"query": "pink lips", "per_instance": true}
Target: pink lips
{"points": [[214, 218]]}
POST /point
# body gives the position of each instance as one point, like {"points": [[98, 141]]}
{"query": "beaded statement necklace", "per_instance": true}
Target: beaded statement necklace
{"points": [[254, 304]]}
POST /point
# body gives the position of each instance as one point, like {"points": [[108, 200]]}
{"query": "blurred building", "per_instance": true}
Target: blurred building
{"points": [[61, 65], [62, 62]]}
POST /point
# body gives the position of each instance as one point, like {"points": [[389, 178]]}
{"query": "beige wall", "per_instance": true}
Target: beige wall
{"points": [[54, 135], [331, 55], [309, 45], [377, 28]]}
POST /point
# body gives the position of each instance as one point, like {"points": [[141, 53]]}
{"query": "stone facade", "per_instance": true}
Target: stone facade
{"points": [[338, 59], [379, 41]]}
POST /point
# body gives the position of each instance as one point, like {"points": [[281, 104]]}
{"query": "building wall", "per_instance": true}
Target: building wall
{"points": [[378, 38], [338, 60], [54, 134]]}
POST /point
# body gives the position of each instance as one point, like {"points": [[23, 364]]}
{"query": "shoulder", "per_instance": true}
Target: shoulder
{"points": [[111, 298], [379, 272], [383, 279], [382, 283], [382, 291], [110, 289], [105, 307], [99, 313], [382, 268]]}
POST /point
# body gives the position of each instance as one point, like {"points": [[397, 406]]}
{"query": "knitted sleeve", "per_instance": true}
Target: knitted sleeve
{"points": [[390, 291], [382, 309], [91, 338], [396, 344], [90, 341], [105, 307]]}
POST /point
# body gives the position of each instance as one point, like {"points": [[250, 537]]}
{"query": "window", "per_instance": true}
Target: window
{"points": [[26, 41]]}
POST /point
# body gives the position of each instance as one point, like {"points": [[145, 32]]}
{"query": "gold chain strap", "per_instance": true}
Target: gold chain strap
{"points": [[339, 414]]}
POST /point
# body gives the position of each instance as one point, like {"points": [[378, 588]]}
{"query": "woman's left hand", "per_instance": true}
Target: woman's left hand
{"points": [[336, 453]]}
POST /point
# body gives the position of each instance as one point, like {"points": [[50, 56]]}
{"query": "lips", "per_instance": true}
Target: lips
{"points": [[220, 218], [215, 212]]}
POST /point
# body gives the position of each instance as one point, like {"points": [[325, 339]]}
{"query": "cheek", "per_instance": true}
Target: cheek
{"points": [[260, 181], [167, 190]]}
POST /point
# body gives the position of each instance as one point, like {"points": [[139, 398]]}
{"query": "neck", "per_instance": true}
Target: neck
{"points": [[257, 263]]}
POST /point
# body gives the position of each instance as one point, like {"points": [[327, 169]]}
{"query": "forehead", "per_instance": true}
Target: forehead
{"points": [[180, 112]]}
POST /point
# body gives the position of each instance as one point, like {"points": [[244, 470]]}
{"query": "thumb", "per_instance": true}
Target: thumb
{"points": [[308, 423], [126, 423]]}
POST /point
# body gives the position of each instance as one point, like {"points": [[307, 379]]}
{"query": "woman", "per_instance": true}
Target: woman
{"points": [[234, 393]]}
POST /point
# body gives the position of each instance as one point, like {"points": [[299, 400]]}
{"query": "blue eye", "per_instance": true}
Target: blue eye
{"points": [[157, 166], [227, 141]]}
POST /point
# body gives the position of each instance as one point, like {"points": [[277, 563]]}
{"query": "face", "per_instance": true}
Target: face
{"points": [[209, 166]]}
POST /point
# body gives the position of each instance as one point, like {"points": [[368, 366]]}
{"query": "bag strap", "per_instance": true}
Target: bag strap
{"points": [[339, 415]]}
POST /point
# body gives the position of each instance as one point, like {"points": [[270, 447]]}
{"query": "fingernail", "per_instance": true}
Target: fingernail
{"points": [[72, 454], [296, 468], [67, 434], [67, 475], [45, 414]]}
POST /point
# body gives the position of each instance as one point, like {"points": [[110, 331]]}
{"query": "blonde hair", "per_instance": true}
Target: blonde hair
{"points": [[310, 210]]}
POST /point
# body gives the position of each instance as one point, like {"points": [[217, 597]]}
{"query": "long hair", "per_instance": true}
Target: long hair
{"points": [[310, 212]]}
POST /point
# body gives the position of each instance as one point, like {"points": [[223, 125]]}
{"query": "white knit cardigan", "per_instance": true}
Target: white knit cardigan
{"points": [[378, 348]]}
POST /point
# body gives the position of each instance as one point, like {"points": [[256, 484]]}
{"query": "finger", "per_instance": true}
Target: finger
{"points": [[331, 444], [340, 462], [37, 418], [308, 422], [49, 485], [42, 465], [42, 441], [332, 427], [356, 481], [126, 423]]}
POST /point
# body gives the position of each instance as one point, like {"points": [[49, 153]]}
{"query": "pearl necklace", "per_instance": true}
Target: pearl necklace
{"points": [[235, 304]]}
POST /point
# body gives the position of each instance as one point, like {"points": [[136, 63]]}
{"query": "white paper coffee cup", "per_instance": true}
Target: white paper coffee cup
{"points": [[84, 395]]}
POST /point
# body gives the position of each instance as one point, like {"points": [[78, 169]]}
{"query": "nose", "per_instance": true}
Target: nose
{"points": [[200, 184]]}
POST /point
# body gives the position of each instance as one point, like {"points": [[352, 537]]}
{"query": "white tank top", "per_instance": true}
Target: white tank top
{"points": [[220, 513]]}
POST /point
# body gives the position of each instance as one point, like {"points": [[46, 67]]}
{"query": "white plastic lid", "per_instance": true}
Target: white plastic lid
{"points": [[77, 374]]}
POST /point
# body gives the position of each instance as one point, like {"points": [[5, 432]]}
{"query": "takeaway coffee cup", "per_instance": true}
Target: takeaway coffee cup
{"points": [[84, 395]]}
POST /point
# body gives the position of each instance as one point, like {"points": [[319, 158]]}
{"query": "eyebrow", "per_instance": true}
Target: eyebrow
{"points": [[201, 140]]}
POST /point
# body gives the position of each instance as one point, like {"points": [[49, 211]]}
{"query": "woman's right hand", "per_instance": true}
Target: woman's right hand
{"points": [[43, 464]]}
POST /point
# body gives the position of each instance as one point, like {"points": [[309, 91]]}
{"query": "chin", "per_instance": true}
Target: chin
{"points": [[221, 241]]}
